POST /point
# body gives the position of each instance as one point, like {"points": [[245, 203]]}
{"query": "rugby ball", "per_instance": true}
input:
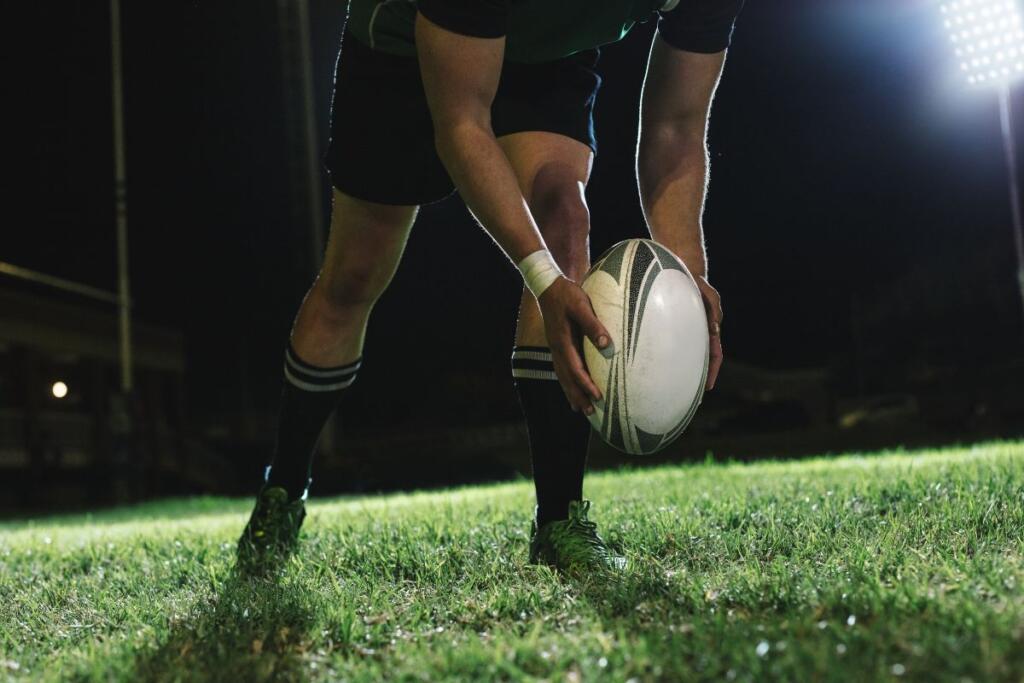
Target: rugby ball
{"points": [[653, 384]]}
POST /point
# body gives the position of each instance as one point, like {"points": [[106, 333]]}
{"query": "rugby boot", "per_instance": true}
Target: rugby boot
{"points": [[573, 545], [272, 532]]}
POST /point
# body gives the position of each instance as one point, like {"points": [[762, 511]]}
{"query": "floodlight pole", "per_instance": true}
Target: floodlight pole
{"points": [[120, 201], [1010, 148]]}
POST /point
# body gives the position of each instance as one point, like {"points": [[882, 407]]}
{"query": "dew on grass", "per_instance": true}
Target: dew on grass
{"points": [[603, 662], [840, 649], [898, 669], [851, 620], [762, 648], [822, 625]]}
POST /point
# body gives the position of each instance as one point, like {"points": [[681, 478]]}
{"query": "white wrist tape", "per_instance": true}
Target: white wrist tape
{"points": [[539, 271]]}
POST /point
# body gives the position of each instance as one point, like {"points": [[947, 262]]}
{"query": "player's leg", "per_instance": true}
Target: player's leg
{"points": [[543, 118], [363, 251], [552, 171], [323, 356], [383, 165]]}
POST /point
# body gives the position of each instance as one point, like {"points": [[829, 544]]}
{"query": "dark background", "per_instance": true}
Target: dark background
{"points": [[857, 220]]}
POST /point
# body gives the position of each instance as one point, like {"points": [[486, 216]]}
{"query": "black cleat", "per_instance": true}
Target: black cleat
{"points": [[272, 533]]}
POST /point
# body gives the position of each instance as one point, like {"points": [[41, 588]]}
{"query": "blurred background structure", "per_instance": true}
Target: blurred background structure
{"points": [[858, 230]]}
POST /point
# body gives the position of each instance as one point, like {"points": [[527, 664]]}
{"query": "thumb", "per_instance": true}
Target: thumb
{"points": [[595, 331]]}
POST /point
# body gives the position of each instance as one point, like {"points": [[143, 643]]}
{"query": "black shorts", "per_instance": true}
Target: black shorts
{"points": [[382, 139]]}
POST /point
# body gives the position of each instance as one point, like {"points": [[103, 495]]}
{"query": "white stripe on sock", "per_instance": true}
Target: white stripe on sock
{"points": [[309, 386], [326, 372], [526, 373], [531, 355]]}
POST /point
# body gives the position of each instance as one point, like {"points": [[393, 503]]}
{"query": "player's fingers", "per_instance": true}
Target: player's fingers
{"points": [[575, 364], [588, 322], [714, 311], [565, 353], [712, 304], [716, 356], [577, 399]]}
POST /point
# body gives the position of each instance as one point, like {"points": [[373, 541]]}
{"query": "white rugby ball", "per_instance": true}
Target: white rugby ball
{"points": [[652, 386]]}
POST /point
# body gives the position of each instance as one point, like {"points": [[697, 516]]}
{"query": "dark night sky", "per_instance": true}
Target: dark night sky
{"points": [[846, 161]]}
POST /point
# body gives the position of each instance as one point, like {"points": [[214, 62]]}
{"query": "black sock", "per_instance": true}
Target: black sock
{"points": [[558, 436], [309, 397]]}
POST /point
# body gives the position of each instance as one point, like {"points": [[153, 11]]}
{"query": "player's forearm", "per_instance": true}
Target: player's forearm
{"points": [[672, 171], [488, 185]]}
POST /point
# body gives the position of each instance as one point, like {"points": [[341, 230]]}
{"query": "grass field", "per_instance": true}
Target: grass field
{"points": [[880, 567]]}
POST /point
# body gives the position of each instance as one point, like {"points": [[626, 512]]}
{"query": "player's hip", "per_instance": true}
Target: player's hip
{"points": [[382, 144]]}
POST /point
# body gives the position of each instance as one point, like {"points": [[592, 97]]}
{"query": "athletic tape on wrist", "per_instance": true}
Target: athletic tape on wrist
{"points": [[539, 271]]}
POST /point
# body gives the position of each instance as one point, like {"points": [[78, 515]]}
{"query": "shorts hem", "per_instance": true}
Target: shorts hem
{"points": [[362, 193], [590, 142]]}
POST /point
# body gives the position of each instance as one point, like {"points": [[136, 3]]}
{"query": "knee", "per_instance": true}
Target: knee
{"points": [[564, 221], [350, 288]]}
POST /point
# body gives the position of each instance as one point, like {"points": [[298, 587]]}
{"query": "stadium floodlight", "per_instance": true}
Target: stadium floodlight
{"points": [[988, 39]]}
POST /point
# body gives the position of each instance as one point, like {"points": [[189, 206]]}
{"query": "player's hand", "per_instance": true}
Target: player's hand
{"points": [[713, 306], [568, 314]]}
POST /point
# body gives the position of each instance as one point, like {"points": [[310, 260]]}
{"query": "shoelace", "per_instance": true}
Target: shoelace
{"points": [[586, 531]]}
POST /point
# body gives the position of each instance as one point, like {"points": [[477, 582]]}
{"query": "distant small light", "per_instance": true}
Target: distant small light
{"points": [[59, 389]]}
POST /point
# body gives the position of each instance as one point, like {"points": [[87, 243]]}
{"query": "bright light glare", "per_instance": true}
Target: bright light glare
{"points": [[60, 390], [988, 36]]}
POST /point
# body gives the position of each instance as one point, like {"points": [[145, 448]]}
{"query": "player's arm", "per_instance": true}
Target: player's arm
{"points": [[672, 158], [672, 155], [460, 76]]}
